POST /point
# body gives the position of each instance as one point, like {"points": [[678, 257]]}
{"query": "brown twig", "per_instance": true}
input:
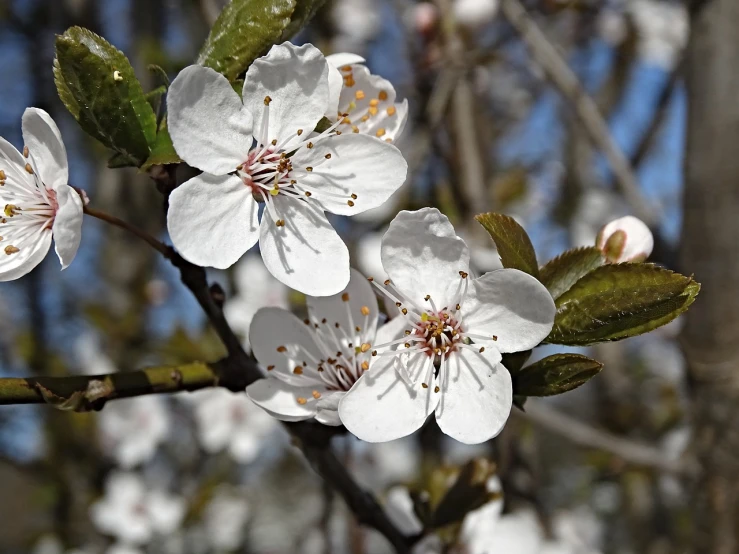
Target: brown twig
{"points": [[143, 235]]}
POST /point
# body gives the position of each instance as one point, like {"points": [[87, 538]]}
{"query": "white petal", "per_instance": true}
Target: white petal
{"points": [[335, 79], [275, 328], [340, 59], [382, 407], [67, 228], [13, 266], [296, 80], [210, 127], [513, 306], [212, 220], [281, 399], [306, 253], [359, 165], [359, 294], [477, 396], [423, 256], [13, 163], [327, 408], [166, 511], [46, 148]]}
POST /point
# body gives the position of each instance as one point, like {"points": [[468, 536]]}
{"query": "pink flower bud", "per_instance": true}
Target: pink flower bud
{"points": [[626, 239]]}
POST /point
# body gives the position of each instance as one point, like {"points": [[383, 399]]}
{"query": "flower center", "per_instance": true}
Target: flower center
{"points": [[268, 170], [433, 335], [29, 209], [344, 353]]}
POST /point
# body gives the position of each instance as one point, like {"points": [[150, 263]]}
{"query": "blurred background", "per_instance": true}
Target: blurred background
{"points": [[642, 459]]}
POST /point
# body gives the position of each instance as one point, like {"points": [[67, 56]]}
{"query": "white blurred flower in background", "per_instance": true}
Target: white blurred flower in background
{"points": [[90, 358], [134, 513], [356, 23], [230, 421], [225, 518], [475, 13], [255, 288], [132, 429], [662, 28]]}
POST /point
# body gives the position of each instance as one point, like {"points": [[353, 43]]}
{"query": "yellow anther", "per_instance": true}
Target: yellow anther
{"points": [[10, 249], [365, 346], [298, 370], [301, 400], [482, 349], [350, 203], [374, 352], [365, 310], [359, 95], [270, 367], [495, 337], [267, 100], [345, 297], [346, 121], [349, 81], [274, 142], [365, 117], [347, 69], [380, 132], [327, 156], [436, 389], [424, 316], [374, 102], [424, 385], [352, 106], [387, 282], [281, 349], [2, 175], [275, 191], [300, 132], [29, 169], [463, 274], [391, 110], [309, 169], [316, 394], [308, 193], [372, 110], [25, 151], [355, 129], [280, 222], [365, 366], [405, 312], [382, 95]]}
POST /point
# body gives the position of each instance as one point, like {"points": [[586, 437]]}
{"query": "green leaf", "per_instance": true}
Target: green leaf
{"points": [[96, 83], [163, 152], [559, 274], [514, 361], [555, 374], [304, 12], [614, 302], [514, 246], [154, 97], [117, 161], [244, 30]]}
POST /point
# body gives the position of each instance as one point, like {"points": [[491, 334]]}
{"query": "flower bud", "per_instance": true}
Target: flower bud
{"points": [[425, 16], [626, 239]]}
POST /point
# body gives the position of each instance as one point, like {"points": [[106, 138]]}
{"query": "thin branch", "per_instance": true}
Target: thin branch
{"points": [[586, 436], [560, 74], [113, 220], [90, 392]]}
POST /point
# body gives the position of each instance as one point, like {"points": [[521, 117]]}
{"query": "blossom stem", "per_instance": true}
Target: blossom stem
{"points": [[157, 245]]}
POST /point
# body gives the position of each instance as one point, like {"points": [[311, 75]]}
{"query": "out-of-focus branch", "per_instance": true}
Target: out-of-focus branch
{"points": [[117, 222], [586, 436], [565, 80]]}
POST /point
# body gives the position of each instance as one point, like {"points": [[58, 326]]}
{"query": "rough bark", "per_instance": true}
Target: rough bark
{"points": [[710, 249]]}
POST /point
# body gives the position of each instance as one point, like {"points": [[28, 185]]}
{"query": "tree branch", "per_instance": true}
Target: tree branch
{"points": [[565, 80], [586, 436]]}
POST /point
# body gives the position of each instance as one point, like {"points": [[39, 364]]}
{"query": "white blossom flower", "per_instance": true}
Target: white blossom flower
{"points": [[475, 13], [230, 421], [362, 102], [627, 239], [38, 204], [357, 22], [255, 288], [123, 549], [213, 218], [134, 513], [132, 429], [444, 353], [663, 29], [225, 518], [91, 360], [311, 364]]}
